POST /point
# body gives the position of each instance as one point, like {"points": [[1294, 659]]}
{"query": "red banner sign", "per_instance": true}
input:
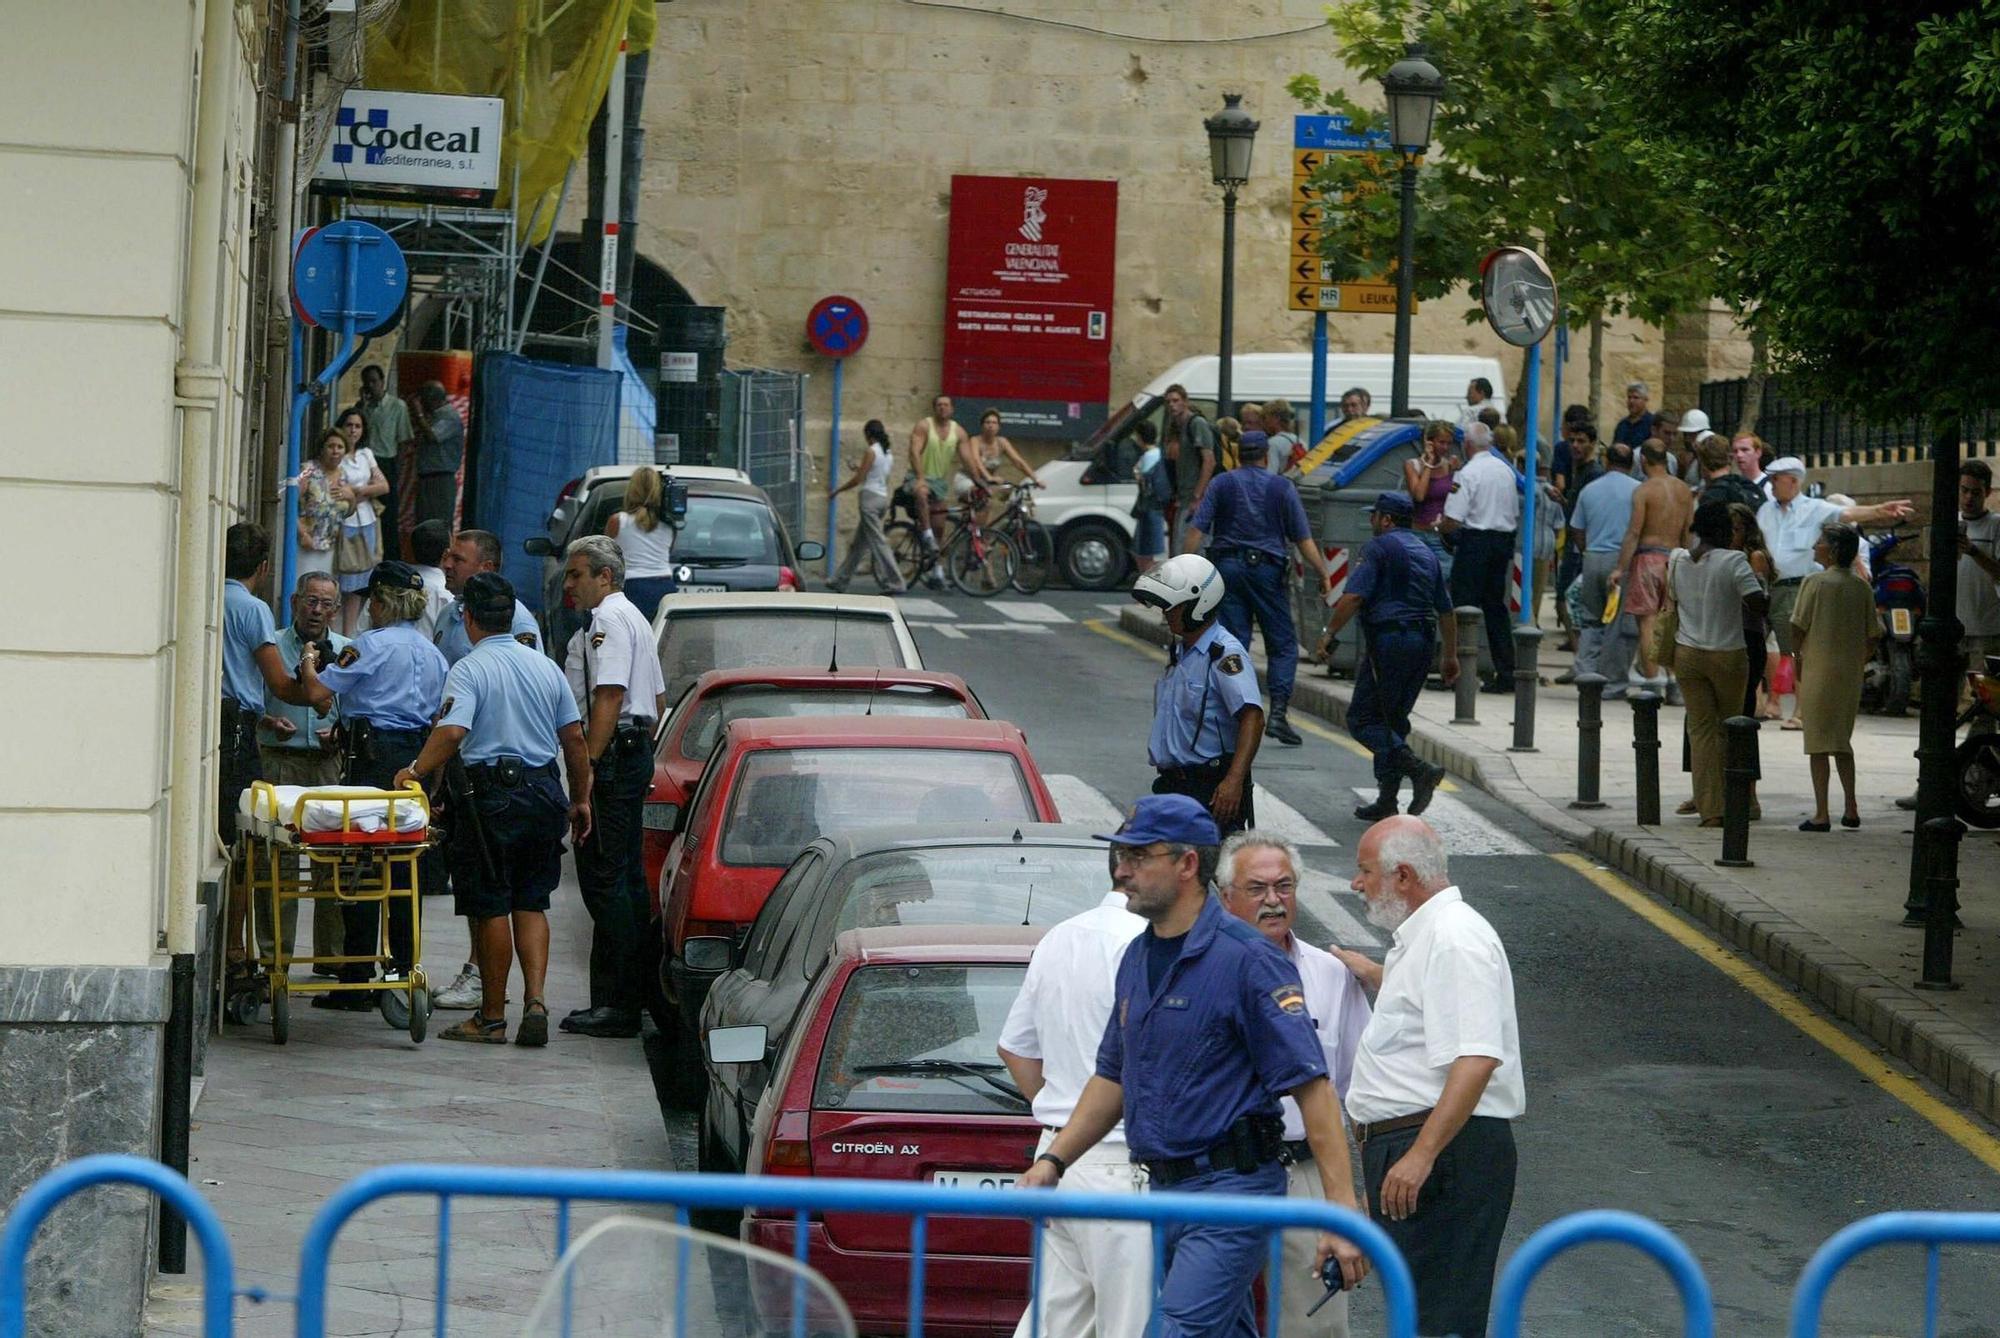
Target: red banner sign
{"points": [[1030, 281]]}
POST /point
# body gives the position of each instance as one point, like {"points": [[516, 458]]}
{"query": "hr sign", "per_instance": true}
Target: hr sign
{"points": [[414, 140]]}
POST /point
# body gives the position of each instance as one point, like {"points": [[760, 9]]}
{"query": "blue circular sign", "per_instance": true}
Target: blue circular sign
{"points": [[837, 326], [326, 295]]}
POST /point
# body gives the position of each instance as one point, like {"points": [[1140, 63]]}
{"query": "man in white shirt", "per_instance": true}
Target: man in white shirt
{"points": [[1484, 512], [1259, 877], [1097, 1277], [621, 697], [1438, 1077], [428, 543], [1791, 523]]}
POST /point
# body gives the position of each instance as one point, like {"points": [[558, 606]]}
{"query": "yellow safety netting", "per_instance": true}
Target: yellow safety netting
{"points": [[549, 59]]}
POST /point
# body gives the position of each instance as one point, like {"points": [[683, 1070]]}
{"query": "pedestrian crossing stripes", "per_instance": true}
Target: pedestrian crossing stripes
{"points": [[1321, 896], [1029, 611], [1463, 830], [1278, 818], [1079, 801], [923, 608]]}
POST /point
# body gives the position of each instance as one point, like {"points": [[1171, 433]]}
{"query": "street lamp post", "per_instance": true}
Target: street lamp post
{"points": [[1231, 135], [1413, 87]]}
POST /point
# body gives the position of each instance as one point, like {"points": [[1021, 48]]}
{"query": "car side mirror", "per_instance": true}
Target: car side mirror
{"points": [[737, 1045], [661, 817], [811, 550], [539, 546], [709, 953]]}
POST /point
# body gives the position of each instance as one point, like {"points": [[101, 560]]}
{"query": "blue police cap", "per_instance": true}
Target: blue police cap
{"points": [[394, 575], [1253, 442], [1176, 818], [1393, 504], [489, 595]]}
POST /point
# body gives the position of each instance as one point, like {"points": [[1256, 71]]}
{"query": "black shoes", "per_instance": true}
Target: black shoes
{"points": [[1496, 685], [610, 1023], [1276, 726], [1384, 807], [1424, 780]]}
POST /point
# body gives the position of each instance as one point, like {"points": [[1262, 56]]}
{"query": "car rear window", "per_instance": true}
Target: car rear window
{"points": [[698, 642], [759, 702], [921, 1038], [724, 531], [964, 885], [785, 799]]}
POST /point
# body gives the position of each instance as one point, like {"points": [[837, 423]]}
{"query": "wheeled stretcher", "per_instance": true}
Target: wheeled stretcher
{"points": [[350, 843]]}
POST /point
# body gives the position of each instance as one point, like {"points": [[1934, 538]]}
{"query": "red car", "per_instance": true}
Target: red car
{"points": [[774, 786], [892, 1076], [695, 724]]}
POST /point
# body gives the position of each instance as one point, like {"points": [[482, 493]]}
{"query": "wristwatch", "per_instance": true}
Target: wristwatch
{"points": [[1055, 1161]]}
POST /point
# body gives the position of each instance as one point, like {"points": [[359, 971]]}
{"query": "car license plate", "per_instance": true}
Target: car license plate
{"points": [[703, 590], [976, 1179], [1900, 622]]}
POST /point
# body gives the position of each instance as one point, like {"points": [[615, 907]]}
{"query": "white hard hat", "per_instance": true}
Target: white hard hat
{"points": [[1189, 579], [1694, 420]]}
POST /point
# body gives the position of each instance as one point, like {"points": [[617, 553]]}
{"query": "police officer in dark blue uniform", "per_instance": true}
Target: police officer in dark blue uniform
{"points": [[1208, 716], [1210, 1029], [389, 682], [1398, 591]]}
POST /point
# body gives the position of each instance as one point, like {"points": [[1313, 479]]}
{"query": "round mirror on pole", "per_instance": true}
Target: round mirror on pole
{"points": [[1518, 291]]}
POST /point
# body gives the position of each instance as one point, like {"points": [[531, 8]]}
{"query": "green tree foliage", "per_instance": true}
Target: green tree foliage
{"points": [[1856, 149], [1534, 144]]}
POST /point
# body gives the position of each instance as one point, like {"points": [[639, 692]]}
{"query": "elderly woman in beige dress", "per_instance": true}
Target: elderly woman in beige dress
{"points": [[1834, 628]]}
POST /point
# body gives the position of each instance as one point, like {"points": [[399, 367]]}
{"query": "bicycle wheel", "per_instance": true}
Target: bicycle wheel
{"points": [[1035, 554], [907, 544], [980, 565]]}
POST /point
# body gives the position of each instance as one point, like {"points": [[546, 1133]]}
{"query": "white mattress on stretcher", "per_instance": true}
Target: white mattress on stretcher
{"points": [[325, 815]]}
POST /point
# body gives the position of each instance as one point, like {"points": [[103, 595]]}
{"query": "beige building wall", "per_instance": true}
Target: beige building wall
{"points": [[797, 148]]}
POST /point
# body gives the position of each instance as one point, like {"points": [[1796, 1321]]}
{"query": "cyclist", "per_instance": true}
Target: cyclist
{"points": [[993, 449]]}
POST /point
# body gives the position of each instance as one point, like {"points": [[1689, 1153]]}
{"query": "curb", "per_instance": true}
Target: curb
{"points": [[1955, 1057]]}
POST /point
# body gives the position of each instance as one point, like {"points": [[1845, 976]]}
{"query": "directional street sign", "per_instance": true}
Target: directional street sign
{"points": [[1308, 279]]}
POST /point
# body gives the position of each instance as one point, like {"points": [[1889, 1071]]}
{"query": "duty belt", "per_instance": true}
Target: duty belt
{"points": [[1295, 1152], [506, 772], [1212, 767], [1250, 555], [1251, 1142], [1424, 625]]}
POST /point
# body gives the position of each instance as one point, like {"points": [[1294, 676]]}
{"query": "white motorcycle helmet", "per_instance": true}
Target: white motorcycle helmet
{"points": [[1188, 579]]}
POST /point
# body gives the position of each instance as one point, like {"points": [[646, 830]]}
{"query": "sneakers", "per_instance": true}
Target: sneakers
{"points": [[462, 993]]}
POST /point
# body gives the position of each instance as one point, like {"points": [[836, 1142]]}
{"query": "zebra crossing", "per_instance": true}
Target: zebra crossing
{"points": [[992, 615]]}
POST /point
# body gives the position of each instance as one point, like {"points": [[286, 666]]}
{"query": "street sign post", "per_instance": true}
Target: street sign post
{"points": [[837, 327], [1519, 295]]}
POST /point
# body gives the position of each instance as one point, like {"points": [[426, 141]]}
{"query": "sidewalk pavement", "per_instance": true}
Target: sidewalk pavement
{"points": [[279, 1128], [1823, 911]]}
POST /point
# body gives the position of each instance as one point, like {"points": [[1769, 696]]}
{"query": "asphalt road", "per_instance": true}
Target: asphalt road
{"points": [[1655, 1083]]}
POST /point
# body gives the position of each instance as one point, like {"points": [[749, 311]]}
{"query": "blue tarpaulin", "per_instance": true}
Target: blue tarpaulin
{"points": [[638, 409], [541, 425]]}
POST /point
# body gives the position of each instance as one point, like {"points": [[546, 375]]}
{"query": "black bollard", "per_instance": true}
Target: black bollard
{"points": [[1739, 771], [1527, 678], [1589, 739], [1940, 902], [1646, 754], [1470, 626]]}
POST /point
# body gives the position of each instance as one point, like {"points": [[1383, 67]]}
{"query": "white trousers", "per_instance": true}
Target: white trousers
{"points": [[1097, 1277], [1302, 1286]]}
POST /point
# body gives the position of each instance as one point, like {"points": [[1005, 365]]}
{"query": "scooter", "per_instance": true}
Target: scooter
{"points": [[1899, 601], [1975, 767]]}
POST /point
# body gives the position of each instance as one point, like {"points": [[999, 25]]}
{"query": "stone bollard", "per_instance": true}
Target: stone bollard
{"points": [[1470, 629], [1589, 739], [1940, 903], [1527, 678], [1739, 770], [1646, 754]]}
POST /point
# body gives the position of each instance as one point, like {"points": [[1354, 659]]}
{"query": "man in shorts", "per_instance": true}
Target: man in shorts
{"points": [[507, 711], [1661, 509]]}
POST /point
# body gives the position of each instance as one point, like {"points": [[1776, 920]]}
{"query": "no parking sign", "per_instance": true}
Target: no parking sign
{"points": [[837, 326]]}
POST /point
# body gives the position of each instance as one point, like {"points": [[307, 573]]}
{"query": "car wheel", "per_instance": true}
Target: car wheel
{"points": [[686, 1079], [1093, 555]]}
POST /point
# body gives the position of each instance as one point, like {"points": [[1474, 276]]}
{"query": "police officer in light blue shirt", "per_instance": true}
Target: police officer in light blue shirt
{"points": [[1398, 592], [507, 712], [1208, 716], [471, 552], [1209, 1029], [250, 664]]}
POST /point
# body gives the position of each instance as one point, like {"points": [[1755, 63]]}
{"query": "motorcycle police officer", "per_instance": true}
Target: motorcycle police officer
{"points": [[389, 682], [1208, 716], [1398, 591], [1209, 1029]]}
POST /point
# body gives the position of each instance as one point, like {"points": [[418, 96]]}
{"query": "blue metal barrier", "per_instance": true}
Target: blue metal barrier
{"points": [[17, 1236], [1933, 1230], [805, 1196], [1605, 1226]]}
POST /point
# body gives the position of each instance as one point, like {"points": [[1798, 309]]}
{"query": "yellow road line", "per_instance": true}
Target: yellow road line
{"points": [[1794, 1010], [1105, 629]]}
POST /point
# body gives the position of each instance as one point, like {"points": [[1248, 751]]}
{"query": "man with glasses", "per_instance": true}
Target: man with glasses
{"points": [[1209, 1029], [1259, 878]]}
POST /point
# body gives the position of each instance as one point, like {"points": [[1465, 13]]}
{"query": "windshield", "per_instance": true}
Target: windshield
{"points": [[718, 531], [764, 701], [964, 885], [697, 642], [921, 1038], [785, 799]]}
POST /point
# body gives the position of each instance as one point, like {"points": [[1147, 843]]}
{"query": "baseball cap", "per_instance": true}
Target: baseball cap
{"points": [[1176, 818], [1787, 464], [1253, 442], [394, 575], [1392, 504], [488, 595]]}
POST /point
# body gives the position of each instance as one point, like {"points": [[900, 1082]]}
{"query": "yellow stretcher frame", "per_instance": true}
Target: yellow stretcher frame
{"points": [[348, 865]]}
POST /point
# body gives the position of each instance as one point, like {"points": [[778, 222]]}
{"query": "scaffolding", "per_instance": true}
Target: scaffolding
{"points": [[464, 258]]}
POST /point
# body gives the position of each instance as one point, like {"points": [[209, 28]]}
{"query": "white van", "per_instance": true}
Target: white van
{"points": [[1092, 523]]}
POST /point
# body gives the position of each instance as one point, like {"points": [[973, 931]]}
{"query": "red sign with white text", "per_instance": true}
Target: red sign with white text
{"points": [[1029, 287]]}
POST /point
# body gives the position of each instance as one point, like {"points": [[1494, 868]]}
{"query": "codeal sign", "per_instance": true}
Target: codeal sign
{"points": [[413, 143], [1029, 287]]}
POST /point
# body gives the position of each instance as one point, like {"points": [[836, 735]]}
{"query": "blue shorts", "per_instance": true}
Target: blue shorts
{"points": [[1151, 540]]}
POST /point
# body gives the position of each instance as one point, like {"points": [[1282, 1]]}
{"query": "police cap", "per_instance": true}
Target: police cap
{"points": [[1392, 504], [394, 575], [1253, 442], [489, 597], [1175, 818]]}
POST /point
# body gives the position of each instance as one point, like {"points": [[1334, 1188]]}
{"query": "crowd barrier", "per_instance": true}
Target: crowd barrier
{"points": [[685, 1193]]}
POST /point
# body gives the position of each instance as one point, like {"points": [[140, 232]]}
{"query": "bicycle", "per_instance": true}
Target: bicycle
{"points": [[1034, 550], [977, 561]]}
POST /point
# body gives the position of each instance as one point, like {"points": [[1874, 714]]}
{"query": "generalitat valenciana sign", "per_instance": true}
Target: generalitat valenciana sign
{"points": [[413, 143]]}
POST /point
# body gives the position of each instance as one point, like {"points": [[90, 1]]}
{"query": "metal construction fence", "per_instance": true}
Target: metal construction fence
{"points": [[763, 434], [783, 1309], [1824, 436]]}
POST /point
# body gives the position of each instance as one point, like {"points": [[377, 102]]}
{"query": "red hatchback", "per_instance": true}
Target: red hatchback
{"points": [[774, 786], [892, 1075], [695, 724]]}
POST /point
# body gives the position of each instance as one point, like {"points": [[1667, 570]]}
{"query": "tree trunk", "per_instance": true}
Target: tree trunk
{"points": [[1753, 385], [1597, 367]]}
